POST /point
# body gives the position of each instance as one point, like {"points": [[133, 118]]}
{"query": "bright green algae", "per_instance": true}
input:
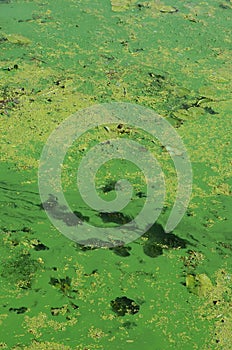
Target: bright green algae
{"points": [[58, 57]]}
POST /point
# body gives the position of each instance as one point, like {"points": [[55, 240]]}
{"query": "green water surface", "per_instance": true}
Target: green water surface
{"points": [[57, 57]]}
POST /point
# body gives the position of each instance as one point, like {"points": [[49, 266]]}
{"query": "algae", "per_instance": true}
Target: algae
{"points": [[14, 39], [59, 57], [122, 5]]}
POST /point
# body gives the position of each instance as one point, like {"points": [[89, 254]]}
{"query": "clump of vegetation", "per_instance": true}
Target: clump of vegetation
{"points": [[192, 260], [62, 284], [197, 283], [15, 39], [10, 96], [20, 269], [216, 308], [123, 305]]}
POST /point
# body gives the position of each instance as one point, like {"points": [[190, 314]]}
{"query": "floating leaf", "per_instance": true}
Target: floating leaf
{"points": [[168, 9], [199, 284], [15, 39], [121, 5]]}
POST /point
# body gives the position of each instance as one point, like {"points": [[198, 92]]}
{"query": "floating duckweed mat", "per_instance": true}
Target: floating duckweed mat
{"points": [[165, 290]]}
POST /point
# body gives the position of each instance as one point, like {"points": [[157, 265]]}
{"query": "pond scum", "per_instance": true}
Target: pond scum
{"points": [[163, 291]]}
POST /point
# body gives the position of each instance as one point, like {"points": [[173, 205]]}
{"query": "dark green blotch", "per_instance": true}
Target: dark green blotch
{"points": [[40, 246], [81, 216], [20, 269], [117, 217], [109, 186], [123, 305], [141, 194], [121, 251], [210, 110], [157, 234], [20, 310], [152, 249], [129, 325], [173, 241], [63, 284]]}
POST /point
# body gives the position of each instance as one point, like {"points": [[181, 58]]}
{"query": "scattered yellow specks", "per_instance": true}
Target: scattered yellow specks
{"points": [[121, 5], [96, 333], [16, 39]]}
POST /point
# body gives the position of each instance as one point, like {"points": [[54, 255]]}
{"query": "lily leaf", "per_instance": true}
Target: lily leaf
{"points": [[199, 284]]}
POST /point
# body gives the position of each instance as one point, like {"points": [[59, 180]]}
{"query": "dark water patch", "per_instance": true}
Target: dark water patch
{"points": [[39, 246], [152, 249], [123, 305], [18, 311], [157, 235], [123, 251], [62, 284], [115, 217], [109, 186]]}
